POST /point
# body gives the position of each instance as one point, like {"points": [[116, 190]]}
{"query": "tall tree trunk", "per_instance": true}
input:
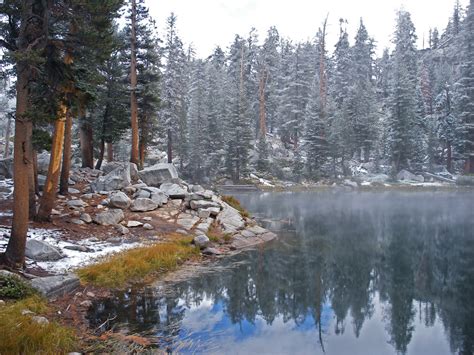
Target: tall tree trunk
{"points": [[133, 81], [32, 36], [15, 253], [110, 152], [66, 166], [86, 139], [100, 159], [49, 191], [6, 153]]}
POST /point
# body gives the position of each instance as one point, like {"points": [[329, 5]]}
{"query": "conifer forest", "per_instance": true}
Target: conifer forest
{"points": [[128, 157]]}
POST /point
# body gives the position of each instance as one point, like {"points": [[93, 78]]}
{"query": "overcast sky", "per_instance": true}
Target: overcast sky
{"points": [[207, 23]]}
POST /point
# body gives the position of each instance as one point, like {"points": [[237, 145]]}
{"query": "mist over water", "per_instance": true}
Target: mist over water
{"points": [[352, 272]]}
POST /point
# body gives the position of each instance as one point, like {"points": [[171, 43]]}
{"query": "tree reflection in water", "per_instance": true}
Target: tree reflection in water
{"points": [[338, 258]]}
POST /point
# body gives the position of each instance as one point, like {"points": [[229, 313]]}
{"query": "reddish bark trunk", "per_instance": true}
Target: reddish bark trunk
{"points": [[66, 166], [49, 191], [133, 81]]}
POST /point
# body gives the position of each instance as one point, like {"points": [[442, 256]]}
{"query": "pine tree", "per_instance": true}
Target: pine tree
{"points": [[465, 91], [238, 129], [174, 88], [361, 96], [197, 117], [215, 109], [271, 60], [403, 115]]}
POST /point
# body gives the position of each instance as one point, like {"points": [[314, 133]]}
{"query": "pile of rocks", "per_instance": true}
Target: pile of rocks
{"points": [[157, 191]]}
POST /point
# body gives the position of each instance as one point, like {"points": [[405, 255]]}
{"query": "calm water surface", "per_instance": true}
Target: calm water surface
{"points": [[351, 273]]}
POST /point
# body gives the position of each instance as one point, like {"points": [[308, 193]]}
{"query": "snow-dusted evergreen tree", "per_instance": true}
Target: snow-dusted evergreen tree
{"points": [[341, 127], [403, 107], [251, 77], [316, 121], [465, 91], [173, 105], [296, 76], [148, 86], [271, 63], [215, 109], [361, 104], [238, 125], [143, 52], [197, 120]]}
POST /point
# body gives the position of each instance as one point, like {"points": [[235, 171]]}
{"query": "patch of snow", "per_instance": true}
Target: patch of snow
{"points": [[73, 258]]}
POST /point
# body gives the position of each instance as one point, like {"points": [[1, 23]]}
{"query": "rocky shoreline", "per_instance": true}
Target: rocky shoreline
{"points": [[120, 208]]}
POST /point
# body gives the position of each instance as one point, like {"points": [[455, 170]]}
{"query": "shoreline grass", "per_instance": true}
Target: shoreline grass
{"points": [[233, 202], [135, 265], [21, 335]]}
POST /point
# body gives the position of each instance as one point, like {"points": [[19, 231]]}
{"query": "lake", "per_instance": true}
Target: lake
{"points": [[383, 272]]}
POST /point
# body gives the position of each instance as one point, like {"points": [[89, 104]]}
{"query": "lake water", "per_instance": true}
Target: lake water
{"points": [[351, 273]]}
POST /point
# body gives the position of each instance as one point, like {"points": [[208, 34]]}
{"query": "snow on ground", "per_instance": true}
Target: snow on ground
{"points": [[262, 180], [6, 188], [73, 258]]}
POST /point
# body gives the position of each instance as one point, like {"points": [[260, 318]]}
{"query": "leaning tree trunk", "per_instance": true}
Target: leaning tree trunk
{"points": [[66, 166], [133, 82], [100, 159], [49, 191]]}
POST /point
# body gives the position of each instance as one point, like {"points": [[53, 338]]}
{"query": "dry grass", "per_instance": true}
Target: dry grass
{"points": [[136, 264], [233, 202], [21, 335]]}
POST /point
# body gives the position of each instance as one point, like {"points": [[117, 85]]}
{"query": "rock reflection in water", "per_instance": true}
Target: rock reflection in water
{"points": [[359, 273]]}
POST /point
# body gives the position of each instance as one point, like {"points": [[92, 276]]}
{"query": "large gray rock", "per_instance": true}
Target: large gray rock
{"points": [[187, 221], [6, 167], [160, 198], [173, 190], [76, 203], [117, 179], [119, 200], [143, 205], [201, 241], [157, 174], [56, 286], [405, 175], [43, 163], [111, 166], [110, 217], [39, 250], [230, 219], [195, 205]]}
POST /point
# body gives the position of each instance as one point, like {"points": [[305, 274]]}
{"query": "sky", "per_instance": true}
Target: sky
{"points": [[208, 23]]}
